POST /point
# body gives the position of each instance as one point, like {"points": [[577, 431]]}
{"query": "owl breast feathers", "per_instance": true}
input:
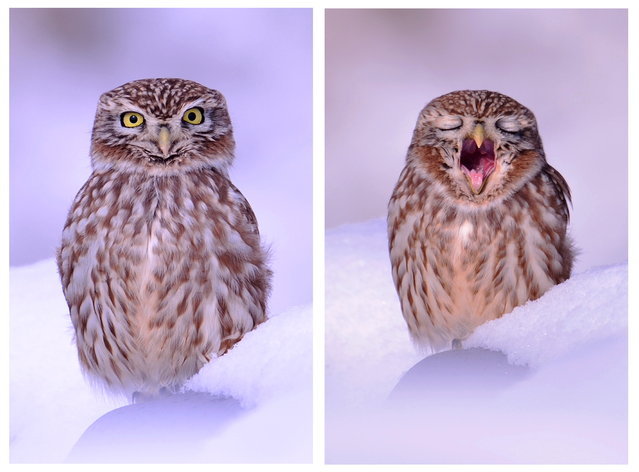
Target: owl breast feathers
{"points": [[160, 261], [477, 221]]}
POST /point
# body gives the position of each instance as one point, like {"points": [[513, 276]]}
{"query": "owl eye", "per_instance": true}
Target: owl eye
{"points": [[193, 116], [448, 123], [131, 119], [508, 125]]}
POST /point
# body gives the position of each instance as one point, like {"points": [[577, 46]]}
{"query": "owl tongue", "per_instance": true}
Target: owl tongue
{"points": [[477, 163], [476, 179]]}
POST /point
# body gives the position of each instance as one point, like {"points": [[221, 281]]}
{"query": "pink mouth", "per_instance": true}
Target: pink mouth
{"points": [[477, 163]]}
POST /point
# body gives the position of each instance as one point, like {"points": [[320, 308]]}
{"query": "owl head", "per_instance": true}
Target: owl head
{"points": [[479, 145], [162, 126]]}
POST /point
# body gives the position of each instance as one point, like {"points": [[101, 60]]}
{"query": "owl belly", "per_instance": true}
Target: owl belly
{"points": [[175, 320], [490, 272], [453, 277], [473, 299], [160, 276], [142, 297]]}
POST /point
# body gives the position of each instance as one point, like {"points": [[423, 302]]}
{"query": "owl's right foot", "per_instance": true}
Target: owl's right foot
{"points": [[457, 344], [141, 397]]}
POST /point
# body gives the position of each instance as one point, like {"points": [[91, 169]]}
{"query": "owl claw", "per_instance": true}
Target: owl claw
{"points": [[457, 344], [141, 397]]}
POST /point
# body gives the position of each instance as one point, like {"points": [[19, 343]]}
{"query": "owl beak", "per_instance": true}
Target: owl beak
{"points": [[164, 141], [478, 135]]}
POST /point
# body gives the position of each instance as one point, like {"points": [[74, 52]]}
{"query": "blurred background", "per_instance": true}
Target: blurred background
{"points": [[260, 59], [568, 66]]}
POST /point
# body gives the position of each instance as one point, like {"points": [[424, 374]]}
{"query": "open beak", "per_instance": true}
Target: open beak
{"points": [[164, 141], [477, 159]]}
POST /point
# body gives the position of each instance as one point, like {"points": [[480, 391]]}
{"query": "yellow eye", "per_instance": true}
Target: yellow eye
{"points": [[193, 116], [131, 119]]}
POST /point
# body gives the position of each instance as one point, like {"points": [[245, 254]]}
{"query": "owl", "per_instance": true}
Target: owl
{"points": [[161, 262], [477, 223]]}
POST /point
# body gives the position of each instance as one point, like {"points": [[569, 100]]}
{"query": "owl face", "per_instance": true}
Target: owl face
{"points": [[479, 144], [162, 126]]}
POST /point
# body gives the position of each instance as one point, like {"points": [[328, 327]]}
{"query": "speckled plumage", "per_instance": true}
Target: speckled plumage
{"points": [[161, 262], [477, 222]]}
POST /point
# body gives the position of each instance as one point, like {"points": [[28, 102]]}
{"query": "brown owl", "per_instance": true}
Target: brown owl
{"points": [[477, 221], [161, 261]]}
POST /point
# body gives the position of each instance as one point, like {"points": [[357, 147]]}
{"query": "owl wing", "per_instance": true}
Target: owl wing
{"points": [[244, 208], [562, 190]]}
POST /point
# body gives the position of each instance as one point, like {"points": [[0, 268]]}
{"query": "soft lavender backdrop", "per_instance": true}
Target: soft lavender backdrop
{"points": [[260, 59], [568, 66]]}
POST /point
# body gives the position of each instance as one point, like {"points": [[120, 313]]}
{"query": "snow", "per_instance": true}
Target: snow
{"points": [[367, 347], [253, 405], [247, 372], [546, 383], [199, 428], [587, 308]]}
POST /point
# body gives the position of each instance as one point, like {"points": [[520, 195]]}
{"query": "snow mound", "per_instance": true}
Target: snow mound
{"points": [[167, 429], [51, 403], [589, 307], [267, 376], [557, 394], [367, 344], [270, 361]]}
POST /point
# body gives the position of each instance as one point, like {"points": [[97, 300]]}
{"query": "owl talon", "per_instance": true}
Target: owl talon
{"points": [[141, 397], [457, 344]]}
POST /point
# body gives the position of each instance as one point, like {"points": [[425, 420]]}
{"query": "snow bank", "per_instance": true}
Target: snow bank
{"points": [[51, 404], [588, 308], [569, 406], [367, 343], [261, 390], [269, 362]]}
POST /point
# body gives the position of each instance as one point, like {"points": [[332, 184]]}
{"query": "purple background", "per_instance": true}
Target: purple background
{"points": [[260, 59], [568, 66]]}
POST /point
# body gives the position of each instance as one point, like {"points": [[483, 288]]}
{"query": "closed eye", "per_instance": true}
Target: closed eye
{"points": [[448, 123], [449, 129], [508, 125]]}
